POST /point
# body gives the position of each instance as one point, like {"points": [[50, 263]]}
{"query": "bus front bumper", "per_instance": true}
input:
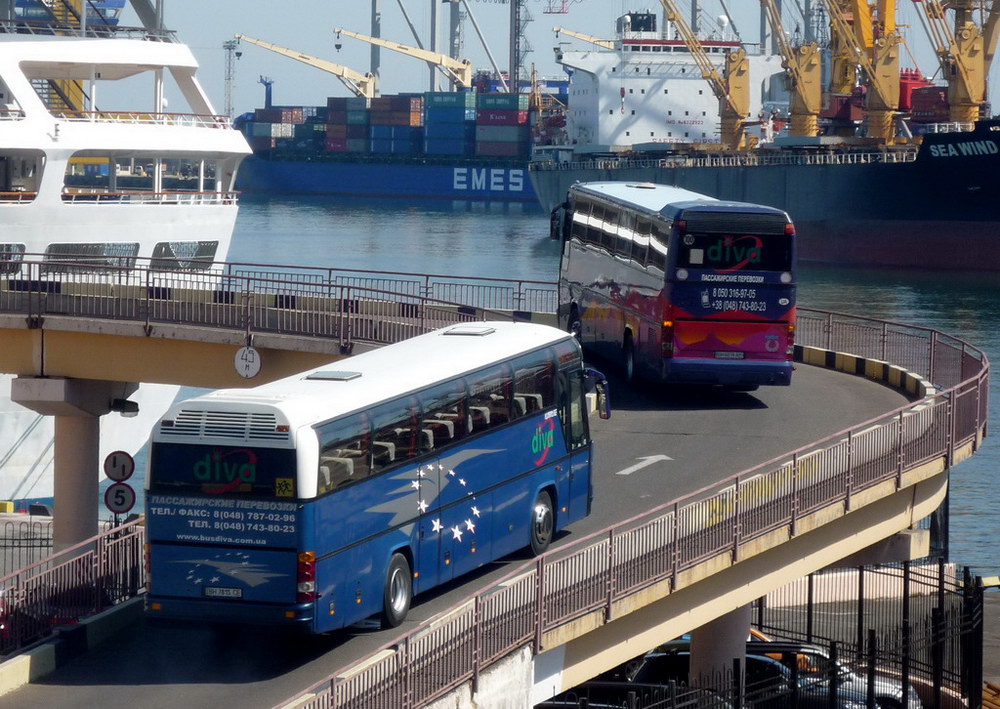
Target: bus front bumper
{"points": [[735, 373], [194, 610]]}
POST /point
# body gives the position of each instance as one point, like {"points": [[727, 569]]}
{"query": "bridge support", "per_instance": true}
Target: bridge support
{"points": [[76, 405], [717, 643]]}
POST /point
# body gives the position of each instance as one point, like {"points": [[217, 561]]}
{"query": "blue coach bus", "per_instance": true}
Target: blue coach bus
{"points": [[324, 498]]}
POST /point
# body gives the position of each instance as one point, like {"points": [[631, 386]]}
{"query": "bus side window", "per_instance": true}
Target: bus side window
{"points": [[626, 231], [534, 385], [640, 245], [609, 236], [344, 452], [570, 393], [657, 256], [446, 412], [596, 221], [490, 398], [399, 435]]}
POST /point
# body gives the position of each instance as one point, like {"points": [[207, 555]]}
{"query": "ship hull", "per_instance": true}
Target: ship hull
{"points": [[472, 181], [937, 211]]}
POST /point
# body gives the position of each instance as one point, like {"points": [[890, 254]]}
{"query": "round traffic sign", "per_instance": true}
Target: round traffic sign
{"points": [[247, 362], [119, 466], [119, 498]]}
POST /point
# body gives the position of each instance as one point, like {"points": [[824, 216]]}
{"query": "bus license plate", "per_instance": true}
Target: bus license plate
{"points": [[218, 592], [729, 355]]}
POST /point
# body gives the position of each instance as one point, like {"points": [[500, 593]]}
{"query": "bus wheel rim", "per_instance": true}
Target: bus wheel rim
{"points": [[397, 591], [543, 522]]}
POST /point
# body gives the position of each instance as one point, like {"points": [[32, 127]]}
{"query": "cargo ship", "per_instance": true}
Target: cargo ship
{"points": [[927, 202], [461, 145]]}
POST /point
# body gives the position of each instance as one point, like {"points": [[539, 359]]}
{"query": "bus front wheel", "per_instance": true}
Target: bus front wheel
{"points": [[398, 591], [542, 523]]}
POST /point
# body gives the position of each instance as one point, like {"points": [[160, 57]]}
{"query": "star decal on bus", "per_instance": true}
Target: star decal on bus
{"points": [[475, 510], [231, 564], [436, 526], [470, 526], [457, 533], [422, 506], [415, 484]]}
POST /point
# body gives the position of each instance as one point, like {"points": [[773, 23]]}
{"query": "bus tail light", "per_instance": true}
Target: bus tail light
{"points": [[667, 338], [790, 351], [789, 229], [306, 576]]}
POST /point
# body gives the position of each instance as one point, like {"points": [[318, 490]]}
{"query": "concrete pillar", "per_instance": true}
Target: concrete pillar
{"points": [[77, 405], [716, 644], [77, 474]]}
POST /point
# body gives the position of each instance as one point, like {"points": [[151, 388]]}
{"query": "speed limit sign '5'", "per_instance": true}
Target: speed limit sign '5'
{"points": [[119, 498]]}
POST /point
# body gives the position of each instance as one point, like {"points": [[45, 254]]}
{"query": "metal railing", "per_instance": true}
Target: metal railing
{"points": [[89, 195], [595, 573], [187, 120], [74, 583], [45, 28]]}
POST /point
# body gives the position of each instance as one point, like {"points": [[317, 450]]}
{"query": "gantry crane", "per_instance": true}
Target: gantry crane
{"points": [[733, 92], [605, 43], [804, 71], [875, 44], [458, 70], [359, 84], [965, 55]]}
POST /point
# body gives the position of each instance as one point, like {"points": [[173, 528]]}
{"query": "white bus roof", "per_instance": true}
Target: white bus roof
{"points": [[645, 195], [363, 380]]}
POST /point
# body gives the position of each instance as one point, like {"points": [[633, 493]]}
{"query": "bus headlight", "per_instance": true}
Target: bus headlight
{"points": [[786, 277], [682, 274]]}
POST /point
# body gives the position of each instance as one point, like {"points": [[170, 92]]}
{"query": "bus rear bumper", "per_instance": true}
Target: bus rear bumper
{"points": [[195, 610], [735, 373]]}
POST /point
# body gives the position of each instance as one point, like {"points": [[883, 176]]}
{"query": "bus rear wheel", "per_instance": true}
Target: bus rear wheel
{"points": [[575, 327], [398, 591], [542, 523], [628, 359]]}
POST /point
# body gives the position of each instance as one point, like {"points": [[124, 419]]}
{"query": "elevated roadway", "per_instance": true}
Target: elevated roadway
{"points": [[718, 547], [705, 435]]}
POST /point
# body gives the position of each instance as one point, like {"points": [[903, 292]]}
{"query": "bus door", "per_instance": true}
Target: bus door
{"points": [[430, 570]]}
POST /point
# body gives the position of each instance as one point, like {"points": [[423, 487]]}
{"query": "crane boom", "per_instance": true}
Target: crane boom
{"points": [[358, 83], [459, 71], [804, 73], [733, 92], [605, 43]]}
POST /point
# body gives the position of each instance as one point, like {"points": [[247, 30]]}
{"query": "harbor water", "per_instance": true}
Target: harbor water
{"points": [[510, 241]]}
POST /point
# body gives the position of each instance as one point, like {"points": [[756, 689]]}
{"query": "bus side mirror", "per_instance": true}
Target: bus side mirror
{"points": [[600, 384]]}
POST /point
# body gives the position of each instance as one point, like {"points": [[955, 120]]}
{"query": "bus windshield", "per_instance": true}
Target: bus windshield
{"points": [[735, 252], [222, 470]]}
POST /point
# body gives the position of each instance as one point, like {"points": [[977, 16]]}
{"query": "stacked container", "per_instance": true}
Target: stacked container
{"points": [[346, 125], [449, 123], [502, 127], [395, 125]]}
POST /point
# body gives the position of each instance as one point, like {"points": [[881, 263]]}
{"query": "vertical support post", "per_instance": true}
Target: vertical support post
{"points": [[795, 493], [899, 451], [810, 605], [610, 581], [850, 471], [539, 603], [477, 641], [737, 520], [905, 628], [872, 663], [860, 638], [75, 482]]}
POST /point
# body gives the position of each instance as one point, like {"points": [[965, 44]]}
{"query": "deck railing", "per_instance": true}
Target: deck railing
{"points": [[187, 120], [43, 28]]}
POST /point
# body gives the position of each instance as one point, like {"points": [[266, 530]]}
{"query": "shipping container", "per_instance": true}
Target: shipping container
{"points": [[447, 146], [357, 132], [449, 115], [407, 104], [395, 132], [357, 145], [451, 131], [498, 134], [449, 99], [397, 118], [356, 103], [278, 115], [308, 130], [502, 149], [516, 102], [394, 147], [501, 117], [356, 117], [336, 145], [336, 131], [336, 117], [260, 144]]}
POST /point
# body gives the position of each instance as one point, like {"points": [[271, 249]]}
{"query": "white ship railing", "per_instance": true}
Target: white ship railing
{"points": [[900, 155], [11, 114], [43, 28], [98, 196], [17, 197], [190, 120]]}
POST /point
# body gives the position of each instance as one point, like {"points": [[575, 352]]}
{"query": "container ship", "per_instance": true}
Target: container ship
{"points": [[924, 198], [443, 145]]}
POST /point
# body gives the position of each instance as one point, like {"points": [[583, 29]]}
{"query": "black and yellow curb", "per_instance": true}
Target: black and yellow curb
{"points": [[875, 369], [67, 643]]}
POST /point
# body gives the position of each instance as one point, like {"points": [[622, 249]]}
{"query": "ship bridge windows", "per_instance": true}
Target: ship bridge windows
{"points": [[89, 257], [11, 256], [184, 255]]}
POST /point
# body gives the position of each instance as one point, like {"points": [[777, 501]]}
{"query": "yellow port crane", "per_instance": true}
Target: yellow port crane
{"points": [[458, 70], [804, 71], [359, 84], [965, 54], [733, 92], [875, 45], [605, 43]]}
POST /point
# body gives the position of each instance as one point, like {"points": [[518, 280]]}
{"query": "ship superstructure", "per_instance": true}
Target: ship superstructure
{"points": [[645, 86], [86, 175]]}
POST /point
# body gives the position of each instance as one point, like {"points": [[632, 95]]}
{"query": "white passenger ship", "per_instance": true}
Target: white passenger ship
{"points": [[86, 177]]}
